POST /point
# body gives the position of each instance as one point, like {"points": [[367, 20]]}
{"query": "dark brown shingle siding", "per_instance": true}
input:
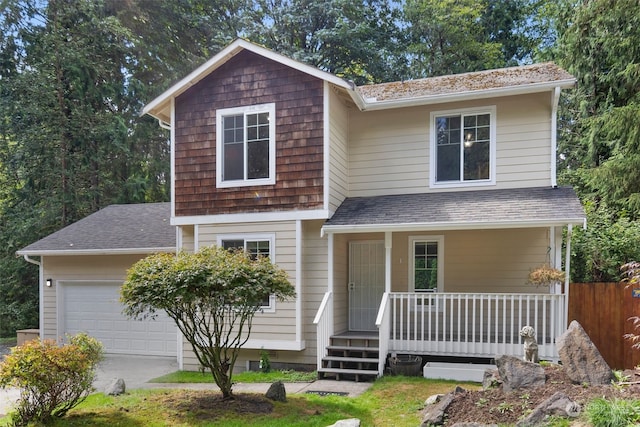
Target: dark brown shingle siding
{"points": [[249, 79]]}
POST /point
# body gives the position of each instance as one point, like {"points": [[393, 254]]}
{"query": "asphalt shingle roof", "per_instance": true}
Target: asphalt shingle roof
{"points": [[464, 209], [135, 228]]}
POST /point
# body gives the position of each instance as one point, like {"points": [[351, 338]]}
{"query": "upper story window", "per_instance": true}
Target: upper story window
{"points": [[463, 147], [245, 146]]}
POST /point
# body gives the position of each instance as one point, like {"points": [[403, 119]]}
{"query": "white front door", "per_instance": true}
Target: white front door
{"points": [[366, 283]]}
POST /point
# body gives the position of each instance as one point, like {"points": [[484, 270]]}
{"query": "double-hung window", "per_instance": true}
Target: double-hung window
{"points": [[463, 147], [426, 263], [245, 146], [255, 246]]}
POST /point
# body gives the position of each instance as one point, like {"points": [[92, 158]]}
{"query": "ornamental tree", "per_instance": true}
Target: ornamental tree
{"points": [[212, 295]]}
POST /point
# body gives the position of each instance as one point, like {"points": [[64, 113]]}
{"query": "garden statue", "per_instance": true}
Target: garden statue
{"points": [[530, 344]]}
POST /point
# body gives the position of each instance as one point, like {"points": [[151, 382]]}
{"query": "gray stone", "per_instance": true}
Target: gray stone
{"points": [[517, 374], [581, 359], [433, 399], [559, 405], [491, 379], [469, 424], [277, 392], [434, 414], [116, 387], [351, 422]]}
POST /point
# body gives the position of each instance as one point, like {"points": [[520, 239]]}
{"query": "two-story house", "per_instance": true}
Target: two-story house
{"points": [[407, 214]]}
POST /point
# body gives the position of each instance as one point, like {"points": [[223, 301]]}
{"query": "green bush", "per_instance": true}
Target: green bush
{"points": [[613, 413], [52, 379]]}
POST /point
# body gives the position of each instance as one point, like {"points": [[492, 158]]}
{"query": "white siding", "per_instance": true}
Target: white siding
{"points": [[338, 154], [389, 150]]}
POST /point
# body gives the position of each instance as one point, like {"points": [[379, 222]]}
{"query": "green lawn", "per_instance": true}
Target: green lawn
{"points": [[391, 401], [182, 377]]}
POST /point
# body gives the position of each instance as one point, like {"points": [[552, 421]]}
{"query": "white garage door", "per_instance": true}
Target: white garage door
{"points": [[95, 308]]}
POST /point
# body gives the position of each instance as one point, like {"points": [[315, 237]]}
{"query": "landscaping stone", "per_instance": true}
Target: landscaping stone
{"points": [[434, 414], [116, 387], [491, 379], [433, 399], [517, 374], [559, 404], [277, 392], [580, 357], [351, 422], [474, 425]]}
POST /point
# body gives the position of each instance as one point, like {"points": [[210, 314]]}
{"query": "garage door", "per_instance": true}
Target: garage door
{"points": [[95, 308]]}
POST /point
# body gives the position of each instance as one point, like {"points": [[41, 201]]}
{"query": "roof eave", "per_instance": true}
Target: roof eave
{"points": [[159, 106], [465, 96], [445, 226], [67, 252]]}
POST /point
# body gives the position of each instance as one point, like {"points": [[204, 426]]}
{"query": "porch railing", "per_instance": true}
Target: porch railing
{"points": [[324, 326], [384, 328], [472, 324]]}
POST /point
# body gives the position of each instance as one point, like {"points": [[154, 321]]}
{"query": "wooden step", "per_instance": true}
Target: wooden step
{"points": [[351, 359], [348, 371], [352, 348]]}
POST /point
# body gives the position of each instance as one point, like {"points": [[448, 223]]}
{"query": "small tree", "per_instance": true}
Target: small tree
{"points": [[212, 295], [631, 275]]}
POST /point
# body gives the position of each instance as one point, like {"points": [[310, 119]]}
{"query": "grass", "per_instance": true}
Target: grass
{"points": [[395, 401], [182, 377], [11, 341]]}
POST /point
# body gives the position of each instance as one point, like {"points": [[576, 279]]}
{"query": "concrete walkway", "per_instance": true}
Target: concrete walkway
{"points": [[138, 370]]}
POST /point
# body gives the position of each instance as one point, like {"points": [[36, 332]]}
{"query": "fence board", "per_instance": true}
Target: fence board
{"points": [[603, 310]]}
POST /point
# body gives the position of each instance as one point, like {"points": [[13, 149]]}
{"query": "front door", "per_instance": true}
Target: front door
{"points": [[366, 283]]}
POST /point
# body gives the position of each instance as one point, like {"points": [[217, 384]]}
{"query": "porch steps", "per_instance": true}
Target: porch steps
{"points": [[351, 356]]}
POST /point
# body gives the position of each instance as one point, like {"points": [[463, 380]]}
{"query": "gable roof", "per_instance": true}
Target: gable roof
{"points": [[460, 210], [482, 84], [117, 229]]}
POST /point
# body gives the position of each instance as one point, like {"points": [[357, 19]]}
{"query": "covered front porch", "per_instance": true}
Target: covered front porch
{"points": [[443, 288]]}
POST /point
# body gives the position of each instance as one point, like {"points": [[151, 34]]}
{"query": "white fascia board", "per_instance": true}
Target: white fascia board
{"points": [[275, 345], [444, 226], [370, 105], [66, 252], [155, 107], [250, 217]]}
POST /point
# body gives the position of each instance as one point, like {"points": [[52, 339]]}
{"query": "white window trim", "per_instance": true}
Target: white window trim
{"points": [[439, 239], [260, 108], [491, 110], [271, 238]]}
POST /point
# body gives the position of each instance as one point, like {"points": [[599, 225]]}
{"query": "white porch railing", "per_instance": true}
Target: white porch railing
{"points": [[470, 324], [324, 326], [384, 328]]}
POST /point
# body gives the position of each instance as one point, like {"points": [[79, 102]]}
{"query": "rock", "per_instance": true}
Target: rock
{"points": [[559, 405], [351, 422], [116, 387], [277, 392], [433, 399], [469, 424], [491, 379], [517, 373], [581, 359], [434, 414]]}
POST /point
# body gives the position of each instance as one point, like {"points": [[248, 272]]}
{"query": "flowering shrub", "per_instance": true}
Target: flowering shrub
{"points": [[52, 379]]}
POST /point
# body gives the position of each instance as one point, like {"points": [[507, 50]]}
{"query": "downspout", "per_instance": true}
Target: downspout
{"points": [[164, 125], [40, 292], [567, 273], [554, 136]]}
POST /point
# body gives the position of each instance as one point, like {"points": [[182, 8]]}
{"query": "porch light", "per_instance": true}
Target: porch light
{"points": [[49, 283]]}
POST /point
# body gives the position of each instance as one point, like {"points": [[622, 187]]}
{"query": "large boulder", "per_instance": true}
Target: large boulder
{"points": [[516, 373], [581, 359], [116, 387], [350, 422], [277, 392], [559, 404], [434, 414]]}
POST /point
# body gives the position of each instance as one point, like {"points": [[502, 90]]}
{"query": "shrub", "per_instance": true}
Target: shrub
{"points": [[52, 379], [613, 413]]}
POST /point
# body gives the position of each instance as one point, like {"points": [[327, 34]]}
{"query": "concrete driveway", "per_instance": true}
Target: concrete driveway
{"points": [[135, 370]]}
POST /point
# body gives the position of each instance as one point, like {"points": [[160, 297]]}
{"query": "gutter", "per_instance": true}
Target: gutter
{"points": [[129, 251], [554, 136], [32, 261]]}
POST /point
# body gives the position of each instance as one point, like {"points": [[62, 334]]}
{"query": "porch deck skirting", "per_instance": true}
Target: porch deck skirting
{"points": [[470, 324]]}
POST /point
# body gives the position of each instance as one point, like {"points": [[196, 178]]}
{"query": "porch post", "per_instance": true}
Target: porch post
{"points": [[387, 260]]}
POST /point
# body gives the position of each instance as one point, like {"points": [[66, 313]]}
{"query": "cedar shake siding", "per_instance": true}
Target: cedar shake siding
{"points": [[245, 80]]}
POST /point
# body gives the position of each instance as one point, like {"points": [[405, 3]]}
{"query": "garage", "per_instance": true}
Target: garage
{"points": [[94, 308]]}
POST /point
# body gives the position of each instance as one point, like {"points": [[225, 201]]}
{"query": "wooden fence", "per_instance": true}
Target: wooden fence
{"points": [[603, 310]]}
